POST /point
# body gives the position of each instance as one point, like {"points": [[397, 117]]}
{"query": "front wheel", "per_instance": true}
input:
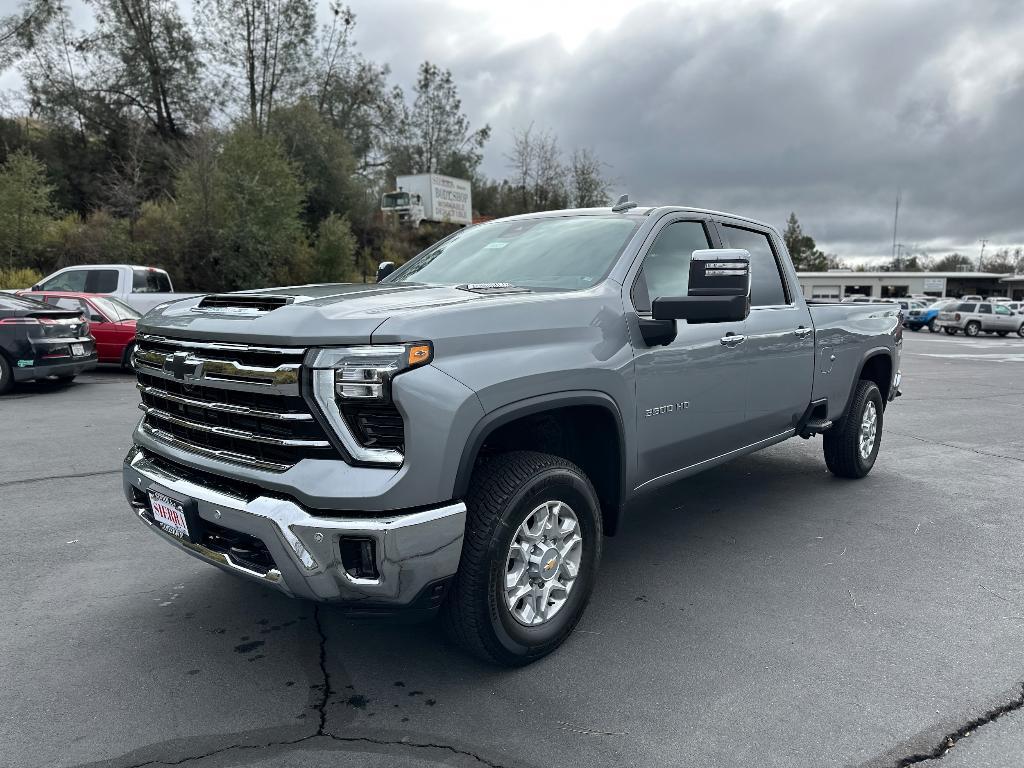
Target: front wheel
{"points": [[934, 327], [126, 358], [972, 329], [851, 447], [1020, 331], [529, 557]]}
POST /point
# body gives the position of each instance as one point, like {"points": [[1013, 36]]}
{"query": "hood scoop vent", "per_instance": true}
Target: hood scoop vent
{"points": [[242, 303]]}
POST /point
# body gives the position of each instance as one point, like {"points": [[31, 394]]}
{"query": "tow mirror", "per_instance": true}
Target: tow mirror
{"points": [[719, 289], [384, 269]]}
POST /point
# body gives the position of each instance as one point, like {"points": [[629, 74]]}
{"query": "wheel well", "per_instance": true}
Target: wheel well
{"points": [[587, 435], [879, 370]]}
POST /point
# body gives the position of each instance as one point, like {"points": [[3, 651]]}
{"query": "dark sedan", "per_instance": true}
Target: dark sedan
{"points": [[37, 341]]}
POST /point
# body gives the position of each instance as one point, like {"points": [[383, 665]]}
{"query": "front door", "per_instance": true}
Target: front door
{"points": [[690, 393], [778, 355]]}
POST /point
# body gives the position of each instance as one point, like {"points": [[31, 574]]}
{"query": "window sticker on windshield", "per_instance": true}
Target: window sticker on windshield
{"points": [[496, 244]]}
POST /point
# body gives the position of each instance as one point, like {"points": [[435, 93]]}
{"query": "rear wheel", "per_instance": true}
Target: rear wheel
{"points": [[6, 377], [949, 329], [851, 447], [933, 326], [529, 558], [973, 328]]}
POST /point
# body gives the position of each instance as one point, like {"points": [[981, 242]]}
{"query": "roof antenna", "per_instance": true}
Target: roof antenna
{"points": [[623, 204]]}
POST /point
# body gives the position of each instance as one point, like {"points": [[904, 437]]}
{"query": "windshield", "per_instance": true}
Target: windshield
{"points": [[395, 199], [558, 253], [115, 310]]}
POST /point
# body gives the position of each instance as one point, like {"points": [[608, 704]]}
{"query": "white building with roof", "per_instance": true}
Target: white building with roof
{"points": [[839, 284]]}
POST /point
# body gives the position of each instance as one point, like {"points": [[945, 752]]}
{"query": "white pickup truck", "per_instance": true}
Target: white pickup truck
{"points": [[141, 288]]}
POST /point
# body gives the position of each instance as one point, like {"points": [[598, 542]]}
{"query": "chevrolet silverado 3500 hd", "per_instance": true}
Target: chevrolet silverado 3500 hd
{"points": [[461, 435]]}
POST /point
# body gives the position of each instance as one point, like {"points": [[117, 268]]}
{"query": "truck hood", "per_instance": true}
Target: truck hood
{"points": [[314, 314]]}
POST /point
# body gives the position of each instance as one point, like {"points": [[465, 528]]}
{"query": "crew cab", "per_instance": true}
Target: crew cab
{"points": [[975, 317], [141, 288], [38, 341], [462, 435]]}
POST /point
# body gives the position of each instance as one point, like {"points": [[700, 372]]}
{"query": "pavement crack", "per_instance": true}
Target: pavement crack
{"points": [[414, 745], [950, 740], [321, 706], [958, 447], [222, 750], [72, 476]]}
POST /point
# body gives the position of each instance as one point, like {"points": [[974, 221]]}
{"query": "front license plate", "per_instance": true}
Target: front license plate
{"points": [[77, 350], [169, 514]]}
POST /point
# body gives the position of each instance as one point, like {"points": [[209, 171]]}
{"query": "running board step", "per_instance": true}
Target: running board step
{"points": [[819, 425]]}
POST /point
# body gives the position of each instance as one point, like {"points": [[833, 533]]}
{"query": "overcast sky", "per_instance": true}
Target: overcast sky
{"points": [[824, 108]]}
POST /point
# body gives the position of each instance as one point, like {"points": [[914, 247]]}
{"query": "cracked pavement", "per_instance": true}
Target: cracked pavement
{"points": [[763, 613]]}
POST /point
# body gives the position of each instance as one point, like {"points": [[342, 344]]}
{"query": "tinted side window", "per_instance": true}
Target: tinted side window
{"points": [[73, 281], [101, 281], [766, 287], [966, 307], [985, 309], [666, 269], [150, 281]]}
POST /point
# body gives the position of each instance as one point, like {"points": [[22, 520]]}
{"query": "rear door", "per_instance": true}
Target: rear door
{"points": [[689, 393], [778, 354]]}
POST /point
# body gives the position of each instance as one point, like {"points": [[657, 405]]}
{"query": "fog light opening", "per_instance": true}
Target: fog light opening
{"points": [[359, 558]]}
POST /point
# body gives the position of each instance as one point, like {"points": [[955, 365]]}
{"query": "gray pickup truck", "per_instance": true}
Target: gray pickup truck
{"points": [[462, 434]]}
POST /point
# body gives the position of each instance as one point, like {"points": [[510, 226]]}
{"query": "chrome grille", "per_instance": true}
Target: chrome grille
{"points": [[231, 402]]}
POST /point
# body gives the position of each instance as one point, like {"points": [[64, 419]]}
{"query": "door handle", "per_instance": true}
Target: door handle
{"points": [[801, 332], [732, 339]]}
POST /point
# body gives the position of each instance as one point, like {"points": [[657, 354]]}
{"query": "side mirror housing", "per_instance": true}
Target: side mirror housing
{"points": [[384, 269], [719, 289], [34, 287]]}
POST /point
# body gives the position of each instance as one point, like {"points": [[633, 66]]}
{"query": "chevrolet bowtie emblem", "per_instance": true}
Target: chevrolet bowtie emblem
{"points": [[184, 367], [550, 564]]}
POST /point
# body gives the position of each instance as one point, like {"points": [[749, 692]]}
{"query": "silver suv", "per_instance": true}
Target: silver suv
{"points": [[974, 317]]}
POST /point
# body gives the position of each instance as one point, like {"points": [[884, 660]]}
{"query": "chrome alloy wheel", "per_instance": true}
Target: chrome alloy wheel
{"points": [[543, 563], [868, 430]]}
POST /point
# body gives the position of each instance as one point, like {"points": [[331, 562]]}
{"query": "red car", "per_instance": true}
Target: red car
{"points": [[111, 322]]}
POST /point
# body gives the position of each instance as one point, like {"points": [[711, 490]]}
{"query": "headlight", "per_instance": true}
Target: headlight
{"points": [[345, 377]]}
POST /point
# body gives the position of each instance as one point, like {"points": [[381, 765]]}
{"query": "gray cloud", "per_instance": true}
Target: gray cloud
{"points": [[765, 110]]}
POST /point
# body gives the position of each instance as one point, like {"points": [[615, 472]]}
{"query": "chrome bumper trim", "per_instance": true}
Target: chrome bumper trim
{"points": [[413, 549]]}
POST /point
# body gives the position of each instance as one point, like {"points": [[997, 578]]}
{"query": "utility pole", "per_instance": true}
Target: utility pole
{"points": [[895, 222], [981, 255]]}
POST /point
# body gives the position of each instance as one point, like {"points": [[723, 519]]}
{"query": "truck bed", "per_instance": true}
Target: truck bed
{"points": [[845, 336]]}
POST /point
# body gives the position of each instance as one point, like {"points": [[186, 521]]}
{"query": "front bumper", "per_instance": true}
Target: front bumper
{"points": [[415, 552]]}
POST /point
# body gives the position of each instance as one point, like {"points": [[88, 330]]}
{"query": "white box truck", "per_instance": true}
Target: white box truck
{"points": [[429, 197]]}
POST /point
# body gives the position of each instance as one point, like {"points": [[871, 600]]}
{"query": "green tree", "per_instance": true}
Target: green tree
{"points": [[435, 135], [26, 207], [802, 248], [953, 263], [264, 47], [335, 251], [243, 202]]}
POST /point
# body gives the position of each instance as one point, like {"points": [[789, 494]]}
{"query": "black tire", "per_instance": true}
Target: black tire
{"points": [[6, 376], [126, 358], [933, 326], [949, 329], [504, 491], [1020, 331], [915, 328], [1003, 334], [972, 329], [842, 442]]}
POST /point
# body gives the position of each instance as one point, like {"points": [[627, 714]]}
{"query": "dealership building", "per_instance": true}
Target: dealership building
{"points": [[839, 284]]}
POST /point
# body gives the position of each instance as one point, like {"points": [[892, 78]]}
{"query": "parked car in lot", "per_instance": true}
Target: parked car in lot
{"points": [[972, 297], [927, 317], [141, 288], [974, 318], [111, 322], [461, 436], [38, 341]]}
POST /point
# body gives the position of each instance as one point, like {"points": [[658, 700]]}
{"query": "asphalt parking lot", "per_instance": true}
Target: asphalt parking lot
{"points": [[761, 614]]}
